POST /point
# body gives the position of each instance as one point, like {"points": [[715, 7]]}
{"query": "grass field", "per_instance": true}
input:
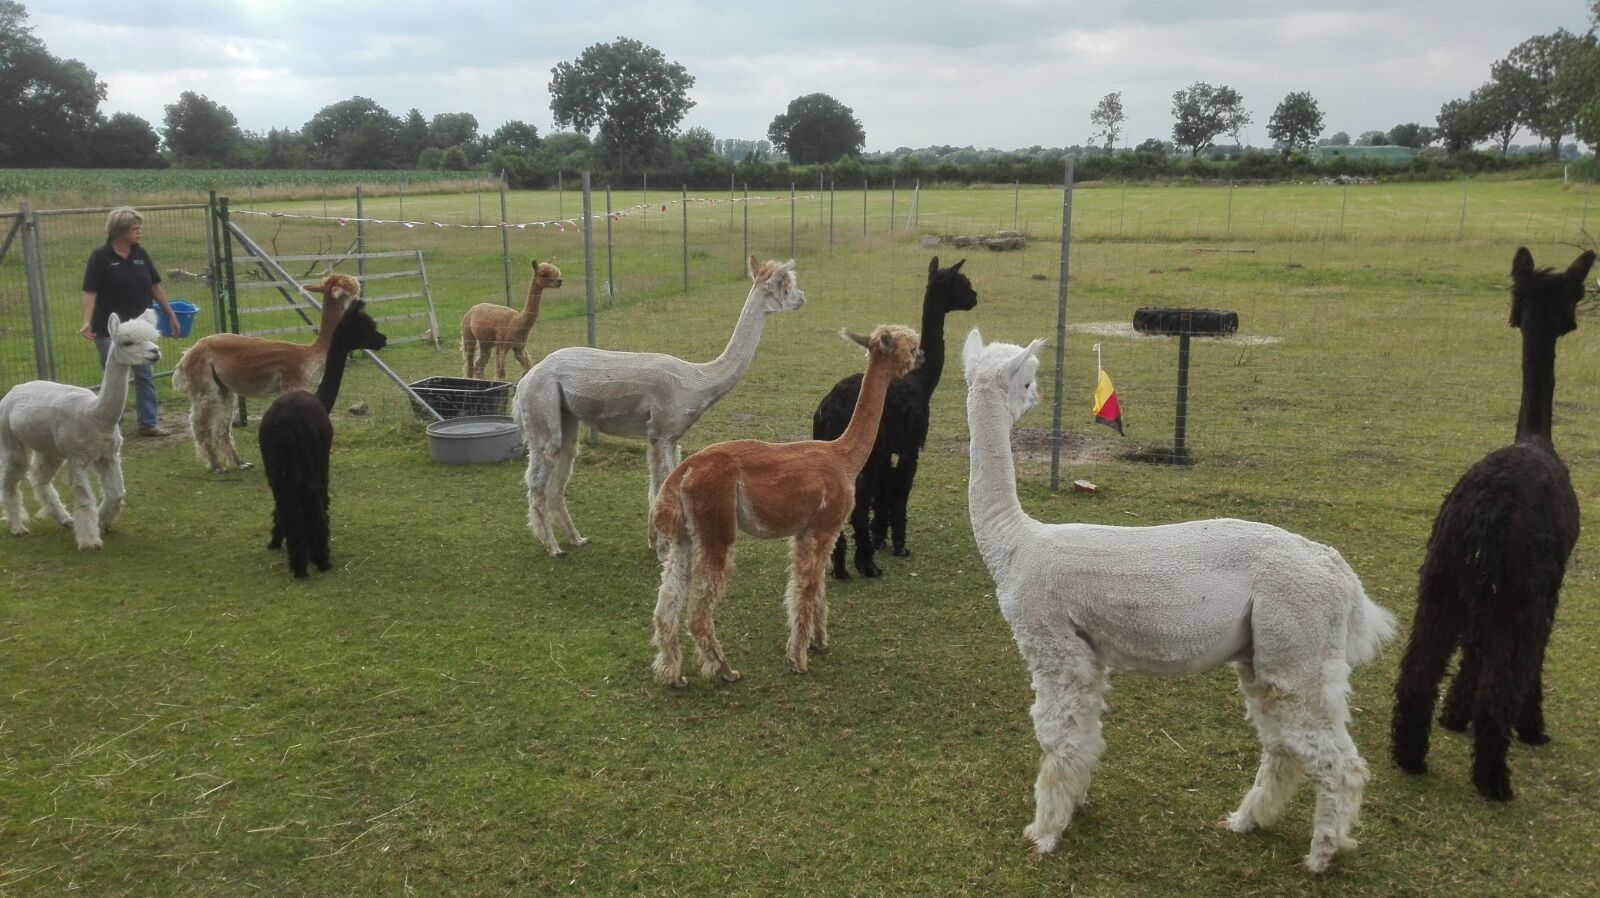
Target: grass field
{"points": [[449, 711]]}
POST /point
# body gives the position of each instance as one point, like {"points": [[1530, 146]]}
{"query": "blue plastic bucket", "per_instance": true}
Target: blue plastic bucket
{"points": [[185, 312]]}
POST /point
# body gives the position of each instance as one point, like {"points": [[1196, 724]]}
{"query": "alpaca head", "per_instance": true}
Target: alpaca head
{"points": [[1005, 367], [133, 342], [1544, 300], [898, 343], [357, 330], [775, 286], [338, 287], [546, 275], [948, 289]]}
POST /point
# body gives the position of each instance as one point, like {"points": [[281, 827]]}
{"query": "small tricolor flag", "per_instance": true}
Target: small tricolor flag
{"points": [[1107, 410]]}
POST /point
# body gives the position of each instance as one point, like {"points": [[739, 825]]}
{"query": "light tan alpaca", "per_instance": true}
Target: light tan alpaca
{"points": [[803, 491], [218, 369], [490, 327]]}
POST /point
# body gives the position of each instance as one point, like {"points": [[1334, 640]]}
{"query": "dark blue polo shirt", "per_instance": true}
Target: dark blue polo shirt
{"points": [[119, 285]]}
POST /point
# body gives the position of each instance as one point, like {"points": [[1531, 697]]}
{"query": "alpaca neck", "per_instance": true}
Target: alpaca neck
{"points": [[113, 393], [333, 374], [530, 307], [856, 441], [331, 310], [992, 502], [725, 370], [1538, 386], [928, 373]]}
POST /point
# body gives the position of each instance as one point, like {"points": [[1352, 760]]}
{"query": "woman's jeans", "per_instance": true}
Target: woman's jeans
{"points": [[144, 385]]}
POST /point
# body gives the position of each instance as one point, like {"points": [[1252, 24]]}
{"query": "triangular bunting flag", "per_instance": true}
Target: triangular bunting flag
{"points": [[1107, 411]]}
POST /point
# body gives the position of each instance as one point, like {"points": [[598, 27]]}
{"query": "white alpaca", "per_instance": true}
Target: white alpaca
{"points": [[1174, 600], [631, 394], [60, 423]]}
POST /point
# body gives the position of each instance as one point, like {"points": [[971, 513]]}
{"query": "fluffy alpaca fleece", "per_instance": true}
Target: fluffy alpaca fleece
{"points": [[631, 394], [218, 369], [296, 436], [884, 486], [45, 424], [1496, 558], [801, 490], [490, 327], [1175, 600]]}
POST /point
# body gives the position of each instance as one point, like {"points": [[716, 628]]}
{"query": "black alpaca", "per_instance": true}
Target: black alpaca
{"points": [[884, 485], [296, 436], [1495, 562]]}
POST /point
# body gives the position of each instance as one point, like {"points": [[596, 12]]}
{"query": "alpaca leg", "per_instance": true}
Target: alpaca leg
{"points": [[200, 429], [1434, 634], [1508, 670], [521, 352], [840, 547], [805, 601], [712, 565], [899, 493], [670, 599], [1530, 724], [112, 490], [662, 455], [85, 511], [41, 476], [319, 529], [12, 469], [562, 475], [860, 523], [1069, 692], [1280, 771], [537, 479], [231, 406], [1331, 760], [1463, 694]]}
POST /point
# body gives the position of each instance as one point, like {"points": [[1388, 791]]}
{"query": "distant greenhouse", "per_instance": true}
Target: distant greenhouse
{"points": [[1390, 154]]}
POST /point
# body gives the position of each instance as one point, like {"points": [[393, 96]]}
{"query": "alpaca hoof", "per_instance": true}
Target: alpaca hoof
{"points": [[1455, 723], [902, 552], [579, 542], [90, 545], [869, 570], [1314, 865], [1039, 844], [1236, 822], [798, 667], [245, 465], [300, 575], [1537, 737], [729, 675], [1415, 766], [678, 682], [19, 529], [324, 565], [840, 573], [1494, 788]]}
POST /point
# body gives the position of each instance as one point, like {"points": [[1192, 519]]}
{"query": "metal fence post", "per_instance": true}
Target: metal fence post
{"points": [[1061, 328], [831, 194], [214, 262], [791, 219], [863, 207], [361, 235], [746, 225], [683, 198], [892, 179], [611, 277], [588, 274], [505, 237]]}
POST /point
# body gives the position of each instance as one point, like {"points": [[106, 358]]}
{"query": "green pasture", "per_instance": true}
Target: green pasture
{"points": [[449, 711]]}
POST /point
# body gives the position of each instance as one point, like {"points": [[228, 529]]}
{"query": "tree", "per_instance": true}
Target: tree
{"points": [[354, 133], [200, 131], [1339, 139], [515, 135], [1498, 106], [413, 137], [1296, 123], [125, 141], [628, 91], [1532, 71], [1411, 135], [1460, 125], [1578, 82], [1203, 112], [1153, 145], [49, 107], [1371, 139], [284, 148], [453, 159], [817, 128], [1107, 119], [452, 129]]}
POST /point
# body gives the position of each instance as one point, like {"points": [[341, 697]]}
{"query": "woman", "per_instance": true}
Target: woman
{"points": [[121, 278]]}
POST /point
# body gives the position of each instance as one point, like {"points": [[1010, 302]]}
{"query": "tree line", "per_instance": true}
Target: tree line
{"points": [[620, 104]]}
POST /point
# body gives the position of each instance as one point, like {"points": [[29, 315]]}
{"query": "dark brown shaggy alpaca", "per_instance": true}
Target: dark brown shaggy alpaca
{"points": [[1495, 562], [296, 436], [884, 485]]}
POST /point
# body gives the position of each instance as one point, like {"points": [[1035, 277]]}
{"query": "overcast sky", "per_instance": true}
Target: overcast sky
{"points": [[990, 73]]}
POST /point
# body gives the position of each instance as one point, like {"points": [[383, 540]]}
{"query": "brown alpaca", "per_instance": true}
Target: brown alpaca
{"points": [[803, 491], [218, 369], [490, 327]]}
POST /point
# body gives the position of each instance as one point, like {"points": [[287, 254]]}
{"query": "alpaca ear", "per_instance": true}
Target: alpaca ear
{"points": [[863, 342], [971, 351], [1579, 269], [149, 317], [886, 342], [933, 267], [1014, 367], [112, 323], [312, 288], [957, 266], [1522, 265], [786, 267], [753, 265]]}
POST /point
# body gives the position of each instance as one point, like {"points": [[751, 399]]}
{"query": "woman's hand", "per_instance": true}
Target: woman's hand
{"points": [[172, 322], [87, 332]]}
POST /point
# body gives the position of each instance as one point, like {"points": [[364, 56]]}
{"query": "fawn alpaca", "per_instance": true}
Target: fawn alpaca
{"points": [[45, 424], [1495, 562], [296, 436], [1173, 600], [490, 327], [222, 367], [802, 491]]}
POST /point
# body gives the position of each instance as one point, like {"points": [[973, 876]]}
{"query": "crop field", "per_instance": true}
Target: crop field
{"points": [[450, 711]]}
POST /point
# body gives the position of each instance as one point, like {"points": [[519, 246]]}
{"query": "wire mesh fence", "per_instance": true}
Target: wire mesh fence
{"points": [[1372, 317]]}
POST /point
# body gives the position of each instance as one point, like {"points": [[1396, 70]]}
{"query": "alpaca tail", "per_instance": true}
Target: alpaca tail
{"points": [[666, 518], [1370, 625], [180, 373]]}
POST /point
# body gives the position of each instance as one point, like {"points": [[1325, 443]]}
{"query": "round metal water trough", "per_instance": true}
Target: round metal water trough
{"points": [[475, 439]]}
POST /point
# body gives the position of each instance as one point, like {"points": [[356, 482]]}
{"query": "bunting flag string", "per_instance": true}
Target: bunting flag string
{"points": [[560, 224]]}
